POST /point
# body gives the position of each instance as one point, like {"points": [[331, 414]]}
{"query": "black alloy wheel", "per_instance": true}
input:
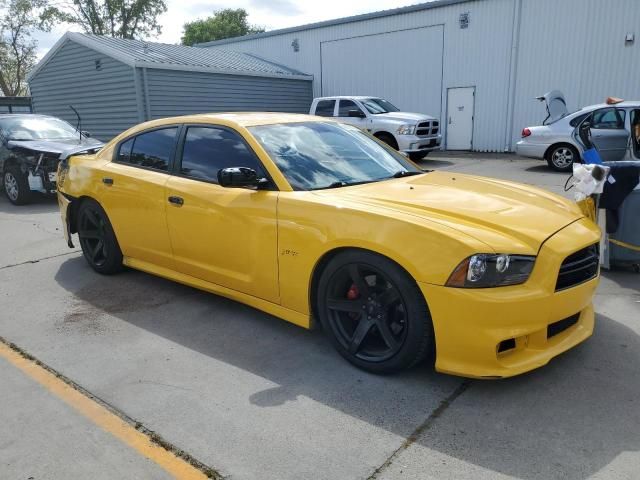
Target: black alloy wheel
{"points": [[374, 312], [97, 239]]}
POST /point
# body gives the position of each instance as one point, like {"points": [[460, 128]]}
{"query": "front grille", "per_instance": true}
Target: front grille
{"points": [[554, 329], [578, 267], [423, 129]]}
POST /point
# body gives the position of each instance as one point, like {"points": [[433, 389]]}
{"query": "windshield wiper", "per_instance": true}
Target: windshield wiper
{"points": [[344, 184], [405, 173]]}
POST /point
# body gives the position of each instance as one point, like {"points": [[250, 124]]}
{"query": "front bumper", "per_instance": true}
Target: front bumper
{"points": [[471, 324], [415, 144], [532, 150]]}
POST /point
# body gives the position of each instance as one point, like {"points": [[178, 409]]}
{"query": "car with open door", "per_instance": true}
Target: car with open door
{"points": [[614, 124], [317, 222]]}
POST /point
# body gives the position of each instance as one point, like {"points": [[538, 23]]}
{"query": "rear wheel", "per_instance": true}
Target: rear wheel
{"points": [[373, 312], [97, 239], [562, 157], [16, 185], [415, 156]]}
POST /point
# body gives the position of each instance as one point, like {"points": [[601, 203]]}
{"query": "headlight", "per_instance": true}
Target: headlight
{"points": [[406, 130], [486, 270]]}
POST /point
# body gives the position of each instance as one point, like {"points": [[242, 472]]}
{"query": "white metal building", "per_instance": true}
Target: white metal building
{"points": [[478, 64]]}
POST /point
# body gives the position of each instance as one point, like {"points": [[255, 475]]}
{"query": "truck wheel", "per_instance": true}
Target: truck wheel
{"points": [[16, 185], [415, 156], [388, 139]]}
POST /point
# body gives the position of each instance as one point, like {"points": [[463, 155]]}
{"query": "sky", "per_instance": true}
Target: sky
{"points": [[270, 14]]}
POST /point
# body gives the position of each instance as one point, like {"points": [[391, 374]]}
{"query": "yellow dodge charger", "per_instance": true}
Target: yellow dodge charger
{"points": [[309, 219]]}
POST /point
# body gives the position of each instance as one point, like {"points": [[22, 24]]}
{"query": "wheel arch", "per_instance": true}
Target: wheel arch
{"points": [[384, 133], [323, 261]]}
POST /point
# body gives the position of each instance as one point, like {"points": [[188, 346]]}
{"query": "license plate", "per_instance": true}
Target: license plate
{"points": [[53, 177]]}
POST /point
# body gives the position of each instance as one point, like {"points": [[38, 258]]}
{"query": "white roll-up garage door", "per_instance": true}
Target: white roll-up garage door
{"points": [[405, 67]]}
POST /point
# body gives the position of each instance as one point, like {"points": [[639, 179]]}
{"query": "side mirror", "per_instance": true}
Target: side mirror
{"points": [[86, 134], [356, 113], [240, 177]]}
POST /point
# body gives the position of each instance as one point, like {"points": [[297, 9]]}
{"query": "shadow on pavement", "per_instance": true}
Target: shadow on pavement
{"points": [[39, 204], [569, 419], [299, 361]]}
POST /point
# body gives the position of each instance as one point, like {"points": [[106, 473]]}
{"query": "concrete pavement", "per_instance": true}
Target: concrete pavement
{"points": [[254, 397]]}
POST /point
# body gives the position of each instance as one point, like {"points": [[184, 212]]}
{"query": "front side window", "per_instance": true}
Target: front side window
{"points": [[608, 118], [149, 150], [315, 155], [347, 105], [208, 150], [324, 108]]}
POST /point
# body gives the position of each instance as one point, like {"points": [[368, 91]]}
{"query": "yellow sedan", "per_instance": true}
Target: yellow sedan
{"points": [[317, 222]]}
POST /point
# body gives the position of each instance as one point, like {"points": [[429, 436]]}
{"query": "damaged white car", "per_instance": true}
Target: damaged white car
{"points": [[31, 147]]}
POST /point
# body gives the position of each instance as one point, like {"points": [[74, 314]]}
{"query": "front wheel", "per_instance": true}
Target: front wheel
{"points": [[562, 157], [16, 185], [373, 312], [97, 239], [415, 156]]}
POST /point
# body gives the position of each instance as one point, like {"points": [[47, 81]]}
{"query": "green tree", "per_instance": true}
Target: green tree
{"points": [[18, 20], [225, 23], [115, 18]]}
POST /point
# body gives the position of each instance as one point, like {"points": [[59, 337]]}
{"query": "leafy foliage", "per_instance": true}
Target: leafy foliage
{"points": [[225, 23], [115, 18], [18, 20]]}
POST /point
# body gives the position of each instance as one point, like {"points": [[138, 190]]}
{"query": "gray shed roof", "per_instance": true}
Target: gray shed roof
{"points": [[139, 53], [338, 21]]}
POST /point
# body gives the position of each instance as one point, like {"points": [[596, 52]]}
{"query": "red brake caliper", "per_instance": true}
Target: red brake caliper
{"points": [[353, 294]]}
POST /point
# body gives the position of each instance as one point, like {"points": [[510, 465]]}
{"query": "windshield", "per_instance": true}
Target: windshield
{"points": [[36, 128], [378, 105], [315, 155]]}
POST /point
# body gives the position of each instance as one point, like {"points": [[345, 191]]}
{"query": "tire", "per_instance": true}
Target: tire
{"points": [[97, 239], [16, 185], [415, 156], [397, 332], [388, 139], [562, 157]]}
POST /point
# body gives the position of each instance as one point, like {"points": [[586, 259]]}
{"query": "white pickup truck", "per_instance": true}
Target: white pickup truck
{"points": [[412, 133]]}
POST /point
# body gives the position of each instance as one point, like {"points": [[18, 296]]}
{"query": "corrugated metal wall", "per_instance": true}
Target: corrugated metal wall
{"points": [[574, 45], [173, 92], [578, 47], [346, 71], [477, 56], [105, 98]]}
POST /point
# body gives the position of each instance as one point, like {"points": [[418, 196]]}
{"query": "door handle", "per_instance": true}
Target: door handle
{"points": [[107, 181], [179, 201], [449, 120]]}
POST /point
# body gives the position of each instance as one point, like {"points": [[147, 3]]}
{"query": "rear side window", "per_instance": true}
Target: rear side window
{"points": [[149, 150], [578, 120], [208, 150], [608, 118], [325, 108]]}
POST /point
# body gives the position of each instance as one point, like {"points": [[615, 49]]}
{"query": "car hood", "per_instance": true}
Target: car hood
{"points": [[60, 147], [507, 217], [404, 116]]}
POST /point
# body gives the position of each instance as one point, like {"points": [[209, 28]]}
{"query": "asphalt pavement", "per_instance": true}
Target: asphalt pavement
{"points": [[250, 396]]}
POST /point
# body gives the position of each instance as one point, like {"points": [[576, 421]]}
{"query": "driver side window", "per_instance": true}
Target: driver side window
{"points": [[608, 119], [207, 150], [347, 105]]}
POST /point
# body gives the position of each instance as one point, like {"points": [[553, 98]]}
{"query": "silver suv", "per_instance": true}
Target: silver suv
{"points": [[412, 133]]}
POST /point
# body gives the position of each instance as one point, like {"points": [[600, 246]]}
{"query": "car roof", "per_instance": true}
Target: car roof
{"points": [[349, 97], [242, 119], [625, 104]]}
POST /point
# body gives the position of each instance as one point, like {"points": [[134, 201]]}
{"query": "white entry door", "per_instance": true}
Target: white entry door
{"points": [[460, 103]]}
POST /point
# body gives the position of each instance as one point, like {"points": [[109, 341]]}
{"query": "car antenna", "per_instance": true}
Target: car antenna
{"points": [[79, 124]]}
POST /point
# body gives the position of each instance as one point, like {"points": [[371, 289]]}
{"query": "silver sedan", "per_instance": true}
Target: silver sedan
{"points": [[614, 129]]}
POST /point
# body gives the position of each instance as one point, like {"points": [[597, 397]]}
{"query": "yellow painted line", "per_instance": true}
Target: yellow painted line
{"points": [[103, 418], [625, 245]]}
